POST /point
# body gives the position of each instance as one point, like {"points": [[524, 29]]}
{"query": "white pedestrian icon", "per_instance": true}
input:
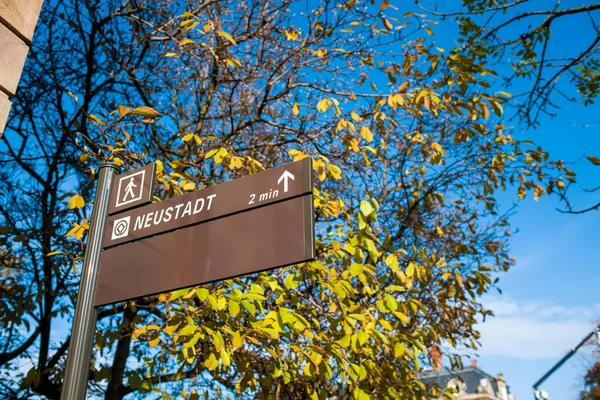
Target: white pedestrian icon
{"points": [[129, 189]]}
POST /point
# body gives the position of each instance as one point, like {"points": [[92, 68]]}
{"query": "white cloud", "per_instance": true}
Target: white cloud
{"points": [[534, 330]]}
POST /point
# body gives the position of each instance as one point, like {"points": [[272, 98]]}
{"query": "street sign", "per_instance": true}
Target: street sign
{"points": [[260, 239], [253, 191], [132, 189]]}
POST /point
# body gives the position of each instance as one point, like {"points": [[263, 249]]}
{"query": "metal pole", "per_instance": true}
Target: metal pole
{"points": [[84, 324], [564, 360]]}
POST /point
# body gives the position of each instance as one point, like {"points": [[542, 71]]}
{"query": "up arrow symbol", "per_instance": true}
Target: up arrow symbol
{"points": [[284, 177]]}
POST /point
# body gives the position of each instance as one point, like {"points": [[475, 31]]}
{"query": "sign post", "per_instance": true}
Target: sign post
{"points": [[255, 223], [84, 323]]}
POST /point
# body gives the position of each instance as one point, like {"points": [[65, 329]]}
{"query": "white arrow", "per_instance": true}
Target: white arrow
{"points": [[284, 177]]}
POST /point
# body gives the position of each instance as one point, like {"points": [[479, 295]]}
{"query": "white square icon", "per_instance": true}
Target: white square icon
{"points": [[120, 228], [131, 188]]}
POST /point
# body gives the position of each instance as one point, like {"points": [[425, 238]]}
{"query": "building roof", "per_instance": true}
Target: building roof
{"points": [[471, 376]]}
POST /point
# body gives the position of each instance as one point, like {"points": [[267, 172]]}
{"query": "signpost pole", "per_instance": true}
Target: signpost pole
{"points": [[84, 324]]}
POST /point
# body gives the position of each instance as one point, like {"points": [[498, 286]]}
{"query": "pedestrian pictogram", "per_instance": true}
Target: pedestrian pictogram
{"points": [[128, 190], [132, 189]]}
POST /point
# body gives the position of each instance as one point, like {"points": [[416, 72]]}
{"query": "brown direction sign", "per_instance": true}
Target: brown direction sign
{"points": [[132, 189], [264, 238], [253, 191]]}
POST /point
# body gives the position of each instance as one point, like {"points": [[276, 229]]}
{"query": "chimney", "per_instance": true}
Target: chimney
{"points": [[474, 363], [435, 357], [502, 388]]}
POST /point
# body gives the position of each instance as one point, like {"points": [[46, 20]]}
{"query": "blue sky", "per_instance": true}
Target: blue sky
{"points": [[550, 298]]}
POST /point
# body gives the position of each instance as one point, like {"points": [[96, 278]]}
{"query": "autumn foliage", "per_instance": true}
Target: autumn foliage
{"points": [[409, 152]]}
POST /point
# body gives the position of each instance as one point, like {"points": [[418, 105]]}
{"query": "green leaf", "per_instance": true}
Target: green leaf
{"points": [[188, 330], [249, 306], [202, 293], [178, 293]]}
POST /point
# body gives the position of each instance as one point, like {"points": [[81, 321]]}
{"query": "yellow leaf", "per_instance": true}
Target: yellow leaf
{"points": [[78, 230], [295, 109], [227, 36], [123, 111], [496, 107], [320, 53], [233, 62], [386, 324], [236, 341], [76, 202], [212, 362], [439, 231], [355, 116], [235, 162], [438, 149], [427, 102], [83, 157], [366, 133], [210, 154], [486, 110], [459, 279], [147, 112], [297, 155], [234, 308], [189, 186], [188, 137], [96, 119], [323, 105], [221, 154], [159, 167], [187, 41], [171, 55], [366, 208], [387, 23], [335, 172]]}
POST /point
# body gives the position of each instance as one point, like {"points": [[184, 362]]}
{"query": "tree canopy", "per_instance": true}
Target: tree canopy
{"points": [[409, 147], [591, 381]]}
